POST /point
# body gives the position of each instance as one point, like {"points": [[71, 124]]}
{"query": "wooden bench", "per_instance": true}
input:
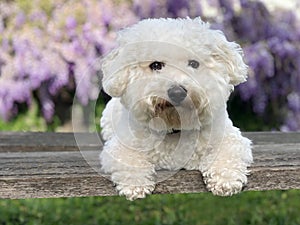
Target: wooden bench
{"points": [[44, 165]]}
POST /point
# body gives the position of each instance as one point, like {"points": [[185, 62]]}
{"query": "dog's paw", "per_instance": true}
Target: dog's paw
{"points": [[224, 188], [225, 185], [134, 192]]}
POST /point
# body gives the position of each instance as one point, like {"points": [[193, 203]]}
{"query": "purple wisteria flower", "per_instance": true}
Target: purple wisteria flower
{"points": [[271, 43], [44, 50]]}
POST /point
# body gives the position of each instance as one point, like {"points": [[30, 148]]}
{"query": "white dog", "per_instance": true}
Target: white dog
{"points": [[170, 80]]}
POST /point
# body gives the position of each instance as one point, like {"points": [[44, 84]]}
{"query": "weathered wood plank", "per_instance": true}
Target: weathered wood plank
{"points": [[41, 141], [40, 165]]}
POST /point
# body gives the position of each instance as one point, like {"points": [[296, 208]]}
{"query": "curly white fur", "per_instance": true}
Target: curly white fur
{"points": [[140, 121]]}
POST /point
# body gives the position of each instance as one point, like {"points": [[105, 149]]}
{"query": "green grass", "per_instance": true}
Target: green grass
{"points": [[270, 208]]}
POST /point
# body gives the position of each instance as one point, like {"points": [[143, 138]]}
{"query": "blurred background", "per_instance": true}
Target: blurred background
{"points": [[49, 51], [49, 56]]}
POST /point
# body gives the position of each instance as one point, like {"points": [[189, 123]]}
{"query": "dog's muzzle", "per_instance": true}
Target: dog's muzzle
{"points": [[177, 94]]}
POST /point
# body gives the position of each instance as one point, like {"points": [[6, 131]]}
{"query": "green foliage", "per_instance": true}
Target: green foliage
{"points": [[25, 5], [46, 6], [32, 120], [251, 208], [244, 118], [28, 120], [98, 113]]}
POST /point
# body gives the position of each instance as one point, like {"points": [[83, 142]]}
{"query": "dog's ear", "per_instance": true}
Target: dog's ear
{"points": [[231, 55], [115, 76]]}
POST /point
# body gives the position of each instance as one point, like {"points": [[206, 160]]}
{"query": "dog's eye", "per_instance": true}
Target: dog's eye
{"points": [[156, 65], [193, 63]]}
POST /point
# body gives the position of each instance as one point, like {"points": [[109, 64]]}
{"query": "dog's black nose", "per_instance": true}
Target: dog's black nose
{"points": [[177, 93]]}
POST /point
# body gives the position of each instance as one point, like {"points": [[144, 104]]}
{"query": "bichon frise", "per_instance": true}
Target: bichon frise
{"points": [[170, 80]]}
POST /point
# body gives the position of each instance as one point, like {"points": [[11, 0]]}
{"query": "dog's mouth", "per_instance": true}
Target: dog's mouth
{"points": [[160, 105], [165, 110], [171, 118], [173, 131]]}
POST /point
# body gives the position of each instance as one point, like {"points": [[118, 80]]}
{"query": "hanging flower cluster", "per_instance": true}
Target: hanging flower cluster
{"points": [[47, 45]]}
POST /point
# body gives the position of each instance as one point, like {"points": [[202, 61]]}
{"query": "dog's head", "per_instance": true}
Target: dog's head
{"points": [[173, 73]]}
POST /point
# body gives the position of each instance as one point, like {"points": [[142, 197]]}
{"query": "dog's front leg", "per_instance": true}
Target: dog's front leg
{"points": [[130, 170], [225, 169]]}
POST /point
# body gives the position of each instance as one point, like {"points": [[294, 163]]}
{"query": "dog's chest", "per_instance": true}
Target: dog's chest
{"points": [[175, 151]]}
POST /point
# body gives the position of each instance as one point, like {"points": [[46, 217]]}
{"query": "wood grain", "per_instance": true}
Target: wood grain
{"points": [[44, 165]]}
